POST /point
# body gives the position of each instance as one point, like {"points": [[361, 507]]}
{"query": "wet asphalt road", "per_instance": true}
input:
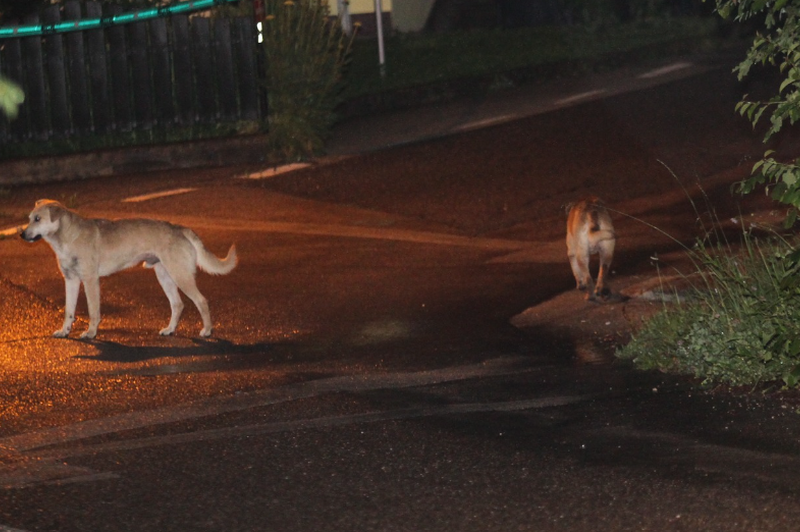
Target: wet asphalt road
{"points": [[364, 374]]}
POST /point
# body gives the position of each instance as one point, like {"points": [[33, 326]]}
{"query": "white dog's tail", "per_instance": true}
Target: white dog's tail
{"points": [[209, 262]]}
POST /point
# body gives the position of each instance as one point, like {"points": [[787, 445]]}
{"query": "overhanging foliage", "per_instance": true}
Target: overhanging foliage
{"points": [[777, 44]]}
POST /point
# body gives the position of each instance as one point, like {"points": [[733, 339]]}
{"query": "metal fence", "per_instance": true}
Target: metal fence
{"points": [[164, 73]]}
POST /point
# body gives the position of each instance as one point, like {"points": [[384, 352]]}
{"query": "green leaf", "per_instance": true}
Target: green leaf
{"points": [[11, 97], [792, 377], [794, 256], [793, 347], [789, 221], [757, 116], [778, 191]]}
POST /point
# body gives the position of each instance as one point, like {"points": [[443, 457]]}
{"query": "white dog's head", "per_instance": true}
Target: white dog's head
{"points": [[44, 220]]}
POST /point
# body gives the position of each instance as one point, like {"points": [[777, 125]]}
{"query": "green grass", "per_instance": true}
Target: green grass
{"points": [[416, 60], [740, 325]]}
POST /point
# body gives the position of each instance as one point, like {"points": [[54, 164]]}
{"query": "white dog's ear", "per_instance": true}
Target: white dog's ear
{"points": [[54, 209]]}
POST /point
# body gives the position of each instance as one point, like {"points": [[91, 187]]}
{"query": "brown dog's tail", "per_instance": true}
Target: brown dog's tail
{"points": [[207, 261]]}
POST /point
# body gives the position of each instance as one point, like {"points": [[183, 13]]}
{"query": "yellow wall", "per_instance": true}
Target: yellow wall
{"points": [[411, 15], [407, 15], [361, 6]]}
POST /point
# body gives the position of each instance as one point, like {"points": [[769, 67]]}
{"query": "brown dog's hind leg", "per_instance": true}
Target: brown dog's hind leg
{"points": [[606, 254]]}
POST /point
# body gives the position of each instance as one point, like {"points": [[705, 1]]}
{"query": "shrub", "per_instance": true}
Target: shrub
{"points": [[776, 44], [305, 54], [739, 327], [11, 96]]}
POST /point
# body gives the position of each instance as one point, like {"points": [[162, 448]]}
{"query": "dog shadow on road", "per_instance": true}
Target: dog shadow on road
{"points": [[225, 352]]}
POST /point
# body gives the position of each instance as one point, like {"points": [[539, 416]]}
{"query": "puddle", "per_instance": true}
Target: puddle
{"points": [[380, 332]]}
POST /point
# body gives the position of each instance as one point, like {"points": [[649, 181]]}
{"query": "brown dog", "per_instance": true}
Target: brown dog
{"points": [[590, 232]]}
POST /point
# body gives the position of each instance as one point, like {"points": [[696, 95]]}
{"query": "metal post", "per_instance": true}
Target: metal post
{"points": [[343, 7], [379, 26]]}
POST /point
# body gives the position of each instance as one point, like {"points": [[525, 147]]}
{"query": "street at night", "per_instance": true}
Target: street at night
{"points": [[401, 346]]}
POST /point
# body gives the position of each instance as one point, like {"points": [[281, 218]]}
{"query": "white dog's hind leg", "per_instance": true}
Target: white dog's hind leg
{"points": [[192, 292], [175, 301], [186, 282], [72, 287], [92, 289]]}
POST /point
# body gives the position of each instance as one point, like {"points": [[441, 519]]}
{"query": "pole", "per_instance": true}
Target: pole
{"points": [[343, 7], [379, 26]]}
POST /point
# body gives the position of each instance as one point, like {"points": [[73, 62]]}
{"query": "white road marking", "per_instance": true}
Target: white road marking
{"points": [[272, 172], [11, 231], [156, 195], [29, 471], [663, 71], [377, 233], [9, 529], [351, 231], [485, 122], [588, 95]]}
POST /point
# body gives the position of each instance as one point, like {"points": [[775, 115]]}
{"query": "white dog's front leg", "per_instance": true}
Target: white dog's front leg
{"points": [[92, 288], [72, 286]]}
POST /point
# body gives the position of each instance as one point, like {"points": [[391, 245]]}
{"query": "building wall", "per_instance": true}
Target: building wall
{"points": [[358, 7], [368, 6], [411, 15], [406, 15]]}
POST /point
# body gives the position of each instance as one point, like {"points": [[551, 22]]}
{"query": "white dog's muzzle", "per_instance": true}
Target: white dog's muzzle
{"points": [[24, 235]]}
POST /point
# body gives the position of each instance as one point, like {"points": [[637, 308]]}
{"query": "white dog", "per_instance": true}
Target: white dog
{"points": [[89, 248]]}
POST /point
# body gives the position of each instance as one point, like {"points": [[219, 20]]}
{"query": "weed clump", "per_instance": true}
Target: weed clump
{"points": [[305, 53], [741, 324]]}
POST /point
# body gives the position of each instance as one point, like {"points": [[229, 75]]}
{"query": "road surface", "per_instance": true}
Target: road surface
{"points": [[365, 373]]}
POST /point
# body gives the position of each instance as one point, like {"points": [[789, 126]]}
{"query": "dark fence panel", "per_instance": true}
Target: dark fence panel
{"points": [[120, 77], [247, 73], [164, 73], [204, 71], [224, 59], [141, 80], [77, 73], [100, 77], [184, 77], [35, 93]]}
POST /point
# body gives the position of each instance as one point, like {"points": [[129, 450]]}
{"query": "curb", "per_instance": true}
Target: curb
{"points": [[149, 158], [446, 91]]}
